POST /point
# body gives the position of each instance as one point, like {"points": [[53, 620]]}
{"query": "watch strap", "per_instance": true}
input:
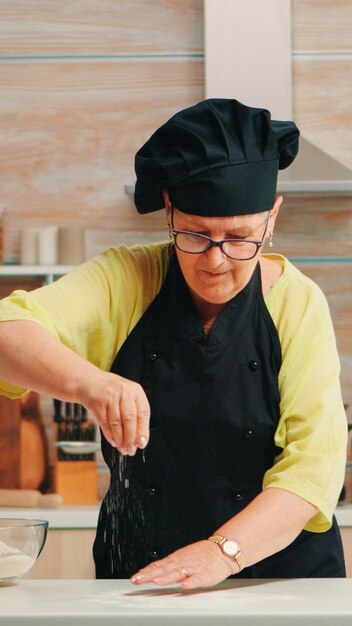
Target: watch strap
{"points": [[239, 558]]}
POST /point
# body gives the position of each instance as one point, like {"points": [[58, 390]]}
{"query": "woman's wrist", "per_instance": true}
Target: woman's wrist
{"points": [[230, 552]]}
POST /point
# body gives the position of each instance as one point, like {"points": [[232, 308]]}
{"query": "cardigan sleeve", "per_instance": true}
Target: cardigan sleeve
{"points": [[312, 429], [93, 308]]}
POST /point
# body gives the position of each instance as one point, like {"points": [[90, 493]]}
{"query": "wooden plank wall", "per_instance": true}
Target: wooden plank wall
{"points": [[322, 225], [315, 232], [322, 74], [84, 83]]}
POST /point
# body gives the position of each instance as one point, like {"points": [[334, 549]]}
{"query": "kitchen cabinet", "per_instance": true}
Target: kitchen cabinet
{"points": [[67, 555], [346, 534]]}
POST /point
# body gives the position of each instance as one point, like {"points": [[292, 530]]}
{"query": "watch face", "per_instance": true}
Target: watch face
{"points": [[230, 548]]}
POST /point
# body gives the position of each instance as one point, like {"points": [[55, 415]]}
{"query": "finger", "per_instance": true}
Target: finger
{"points": [[143, 419], [105, 427], [151, 571], [128, 413], [115, 425], [176, 575], [197, 580], [148, 574], [203, 579]]}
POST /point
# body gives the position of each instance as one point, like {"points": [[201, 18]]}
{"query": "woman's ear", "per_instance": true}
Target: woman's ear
{"points": [[274, 212]]}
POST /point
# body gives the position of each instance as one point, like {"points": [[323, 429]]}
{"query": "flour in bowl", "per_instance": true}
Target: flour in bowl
{"points": [[13, 562]]}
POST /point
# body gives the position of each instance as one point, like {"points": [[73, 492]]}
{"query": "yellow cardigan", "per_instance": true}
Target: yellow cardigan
{"points": [[94, 308]]}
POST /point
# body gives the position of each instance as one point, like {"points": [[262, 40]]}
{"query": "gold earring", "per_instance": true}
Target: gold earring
{"points": [[271, 239], [170, 232]]}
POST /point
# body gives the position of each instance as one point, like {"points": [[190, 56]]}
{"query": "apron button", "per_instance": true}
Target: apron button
{"points": [[153, 554], [151, 491], [249, 433], [253, 365], [238, 497], [154, 356]]}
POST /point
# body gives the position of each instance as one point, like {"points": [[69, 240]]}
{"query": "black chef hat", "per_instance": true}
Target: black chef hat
{"points": [[218, 158]]}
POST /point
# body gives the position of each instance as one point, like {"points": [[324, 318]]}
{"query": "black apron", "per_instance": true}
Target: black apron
{"points": [[214, 413]]}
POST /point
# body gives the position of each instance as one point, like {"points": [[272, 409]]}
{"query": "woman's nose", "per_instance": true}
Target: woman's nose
{"points": [[215, 256]]}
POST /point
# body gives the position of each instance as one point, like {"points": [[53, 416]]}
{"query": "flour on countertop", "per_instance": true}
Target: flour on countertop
{"points": [[175, 598], [13, 562]]}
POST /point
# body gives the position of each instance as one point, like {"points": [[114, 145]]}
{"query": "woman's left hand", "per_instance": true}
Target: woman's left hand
{"points": [[200, 564]]}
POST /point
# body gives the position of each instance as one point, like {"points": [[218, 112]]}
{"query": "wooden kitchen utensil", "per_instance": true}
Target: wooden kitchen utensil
{"points": [[35, 470], [10, 423]]}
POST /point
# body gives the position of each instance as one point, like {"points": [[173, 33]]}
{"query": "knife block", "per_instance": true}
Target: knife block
{"points": [[76, 481]]}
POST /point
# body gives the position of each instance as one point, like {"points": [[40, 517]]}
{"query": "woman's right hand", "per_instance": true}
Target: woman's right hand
{"points": [[31, 358], [121, 408]]}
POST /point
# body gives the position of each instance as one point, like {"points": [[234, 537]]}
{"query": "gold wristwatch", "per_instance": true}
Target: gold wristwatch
{"points": [[230, 548]]}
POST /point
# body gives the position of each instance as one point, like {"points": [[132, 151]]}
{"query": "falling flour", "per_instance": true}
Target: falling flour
{"points": [[124, 531], [13, 562]]}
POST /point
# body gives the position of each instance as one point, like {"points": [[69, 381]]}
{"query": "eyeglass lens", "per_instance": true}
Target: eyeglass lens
{"points": [[194, 244]]}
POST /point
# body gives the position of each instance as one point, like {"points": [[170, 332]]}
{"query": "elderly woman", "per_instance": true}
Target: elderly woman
{"points": [[211, 368]]}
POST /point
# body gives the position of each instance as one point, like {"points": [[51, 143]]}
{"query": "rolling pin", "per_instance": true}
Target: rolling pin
{"points": [[29, 498]]}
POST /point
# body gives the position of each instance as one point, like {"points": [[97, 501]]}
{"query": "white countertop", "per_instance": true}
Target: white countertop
{"points": [[84, 516], [64, 517], [314, 601], [343, 515]]}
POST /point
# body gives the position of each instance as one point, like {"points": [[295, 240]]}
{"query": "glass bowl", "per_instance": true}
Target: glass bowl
{"points": [[21, 542]]}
